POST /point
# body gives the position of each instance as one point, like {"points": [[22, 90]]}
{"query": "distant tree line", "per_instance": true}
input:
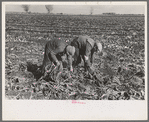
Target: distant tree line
{"points": [[108, 13], [49, 8]]}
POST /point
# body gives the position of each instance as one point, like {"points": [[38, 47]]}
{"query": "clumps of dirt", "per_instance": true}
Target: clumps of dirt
{"points": [[120, 84], [119, 75]]}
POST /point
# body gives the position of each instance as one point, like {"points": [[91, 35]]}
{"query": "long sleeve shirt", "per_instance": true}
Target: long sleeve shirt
{"points": [[56, 46], [52, 49], [86, 45]]}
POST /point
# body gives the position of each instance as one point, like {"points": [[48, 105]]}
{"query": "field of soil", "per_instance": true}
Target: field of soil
{"points": [[120, 72]]}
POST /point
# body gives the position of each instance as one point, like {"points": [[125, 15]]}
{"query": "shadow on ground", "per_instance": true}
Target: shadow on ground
{"points": [[34, 69]]}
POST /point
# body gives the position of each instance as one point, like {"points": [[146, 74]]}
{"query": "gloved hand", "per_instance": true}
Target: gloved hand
{"points": [[57, 63], [100, 54], [90, 70], [90, 73], [71, 69], [104, 54]]}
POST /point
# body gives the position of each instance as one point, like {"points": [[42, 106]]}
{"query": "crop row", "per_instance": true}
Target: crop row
{"points": [[75, 25]]}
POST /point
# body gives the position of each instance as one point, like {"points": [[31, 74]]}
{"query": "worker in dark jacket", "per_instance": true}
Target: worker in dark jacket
{"points": [[85, 48], [55, 51]]}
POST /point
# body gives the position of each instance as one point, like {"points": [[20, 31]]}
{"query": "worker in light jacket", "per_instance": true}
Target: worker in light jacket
{"points": [[55, 51], [85, 48]]}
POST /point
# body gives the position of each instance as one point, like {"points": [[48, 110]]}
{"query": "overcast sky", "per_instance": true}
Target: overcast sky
{"points": [[82, 9]]}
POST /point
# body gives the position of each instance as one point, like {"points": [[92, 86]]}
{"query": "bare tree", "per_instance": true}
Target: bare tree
{"points": [[91, 10], [26, 8], [49, 8]]}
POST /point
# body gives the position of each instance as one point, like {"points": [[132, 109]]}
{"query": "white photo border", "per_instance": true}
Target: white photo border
{"points": [[64, 109]]}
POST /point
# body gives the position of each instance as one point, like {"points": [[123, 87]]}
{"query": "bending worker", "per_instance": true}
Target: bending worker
{"points": [[57, 50], [85, 48]]}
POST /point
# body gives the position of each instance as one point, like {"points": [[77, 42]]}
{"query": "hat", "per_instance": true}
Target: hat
{"points": [[99, 46], [70, 50]]}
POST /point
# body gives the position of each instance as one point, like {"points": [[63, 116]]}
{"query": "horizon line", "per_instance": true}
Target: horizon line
{"points": [[71, 13]]}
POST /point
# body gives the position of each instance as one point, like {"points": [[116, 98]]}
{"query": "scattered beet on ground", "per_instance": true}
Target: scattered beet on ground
{"points": [[120, 71]]}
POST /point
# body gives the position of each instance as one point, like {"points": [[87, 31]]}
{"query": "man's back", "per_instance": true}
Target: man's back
{"points": [[56, 45], [82, 41]]}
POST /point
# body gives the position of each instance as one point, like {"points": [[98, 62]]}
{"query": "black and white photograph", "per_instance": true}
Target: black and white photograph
{"points": [[76, 53]]}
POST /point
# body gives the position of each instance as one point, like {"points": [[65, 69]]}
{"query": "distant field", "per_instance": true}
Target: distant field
{"points": [[120, 73], [71, 25]]}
